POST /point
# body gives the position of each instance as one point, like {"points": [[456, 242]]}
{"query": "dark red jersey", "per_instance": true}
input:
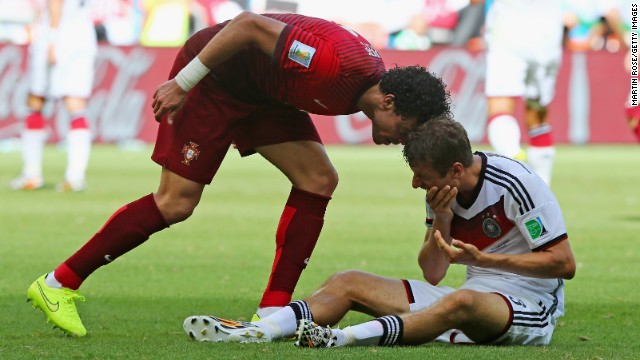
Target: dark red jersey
{"points": [[318, 66]]}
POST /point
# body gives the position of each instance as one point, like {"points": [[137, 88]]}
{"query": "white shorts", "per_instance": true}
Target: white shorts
{"points": [[532, 320], [512, 75], [73, 72]]}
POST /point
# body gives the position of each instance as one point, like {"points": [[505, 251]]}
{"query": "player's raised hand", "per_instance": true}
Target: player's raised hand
{"points": [[169, 97], [440, 200], [458, 252]]}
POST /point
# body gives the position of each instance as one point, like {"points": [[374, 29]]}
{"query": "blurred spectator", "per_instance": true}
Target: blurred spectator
{"points": [[587, 27], [217, 11], [16, 18], [118, 22], [166, 24]]}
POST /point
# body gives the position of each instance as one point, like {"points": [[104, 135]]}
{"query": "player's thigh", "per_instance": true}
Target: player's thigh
{"points": [[287, 138], [506, 73], [38, 68], [373, 294], [541, 81], [488, 316]]}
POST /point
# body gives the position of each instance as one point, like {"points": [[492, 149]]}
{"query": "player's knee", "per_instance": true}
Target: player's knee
{"points": [[343, 281], [323, 183], [176, 210], [459, 304]]}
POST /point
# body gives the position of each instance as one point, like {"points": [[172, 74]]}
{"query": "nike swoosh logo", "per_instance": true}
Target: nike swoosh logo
{"points": [[52, 307], [321, 104]]}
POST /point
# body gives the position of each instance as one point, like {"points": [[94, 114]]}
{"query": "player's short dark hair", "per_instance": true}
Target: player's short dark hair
{"points": [[418, 93], [439, 143]]}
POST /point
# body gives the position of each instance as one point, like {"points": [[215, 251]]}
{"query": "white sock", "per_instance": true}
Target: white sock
{"points": [[32, 148], [78, 151], [503, 132], [266, 311], [51, 281], [281, 323], [541, 160], [365, 334]]}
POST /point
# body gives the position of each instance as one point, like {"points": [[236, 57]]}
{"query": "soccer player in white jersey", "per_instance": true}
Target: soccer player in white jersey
{"points": [[524, 50], [486, 211], [61, 66]]}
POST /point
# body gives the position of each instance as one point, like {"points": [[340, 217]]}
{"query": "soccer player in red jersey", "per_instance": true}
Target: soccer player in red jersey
{"points": [[252, 82]]}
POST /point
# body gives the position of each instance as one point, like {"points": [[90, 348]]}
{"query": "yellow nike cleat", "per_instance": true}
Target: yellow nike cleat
{"points": [[522, 156], [58, 305]]}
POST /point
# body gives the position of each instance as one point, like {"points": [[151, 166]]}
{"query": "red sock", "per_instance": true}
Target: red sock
{"points": [[297, 234], [541, 136], [35, 121], [127, 228]]}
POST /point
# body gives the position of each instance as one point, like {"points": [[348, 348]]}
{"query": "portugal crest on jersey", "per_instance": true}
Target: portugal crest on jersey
{"points": [[190, 152]]}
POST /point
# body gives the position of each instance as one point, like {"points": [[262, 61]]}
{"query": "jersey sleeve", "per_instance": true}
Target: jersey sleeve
{"points": [[536, 213], [429, 213], [305, 55]]}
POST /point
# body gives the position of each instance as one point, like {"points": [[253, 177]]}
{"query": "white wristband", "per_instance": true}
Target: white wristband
{"points": [[191, 74]]}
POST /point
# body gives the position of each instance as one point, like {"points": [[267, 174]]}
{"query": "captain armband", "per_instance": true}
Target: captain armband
{"points": [[191, 74]]}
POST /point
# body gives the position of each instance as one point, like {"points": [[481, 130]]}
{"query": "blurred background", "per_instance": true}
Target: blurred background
{"points": [[139, 39]]}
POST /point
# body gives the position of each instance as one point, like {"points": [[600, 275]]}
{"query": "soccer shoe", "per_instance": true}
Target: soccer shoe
{"points": [[521, 156], [71, 186], [58, 305], [255, 318], [211, 328], [312, 335], [25, 183]]}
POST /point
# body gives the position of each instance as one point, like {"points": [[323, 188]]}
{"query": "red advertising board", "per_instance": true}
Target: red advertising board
{"points": [[588, 107]]}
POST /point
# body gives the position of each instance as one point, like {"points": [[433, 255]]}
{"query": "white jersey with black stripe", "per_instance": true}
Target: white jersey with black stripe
{"points": [[512, 212]]}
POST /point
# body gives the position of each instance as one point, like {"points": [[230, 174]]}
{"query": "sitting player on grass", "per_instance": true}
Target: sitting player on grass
{"points": [[488, 212]]}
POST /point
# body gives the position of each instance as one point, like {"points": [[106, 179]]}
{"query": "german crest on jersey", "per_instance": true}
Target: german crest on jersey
{"points": [[190, 152], [491, 228], [301, 53]]}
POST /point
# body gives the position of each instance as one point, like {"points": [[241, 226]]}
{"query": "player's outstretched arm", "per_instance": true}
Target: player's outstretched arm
{"points": [[246, 29], [554, 262]]}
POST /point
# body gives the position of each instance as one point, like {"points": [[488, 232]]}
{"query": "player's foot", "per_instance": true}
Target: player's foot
{"points": [[312, 335], [71, 186], [211, 328], [521, 156], [58, 305], [25, 183]]}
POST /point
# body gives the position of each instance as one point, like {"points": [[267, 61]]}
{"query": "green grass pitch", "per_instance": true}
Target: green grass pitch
{"points": [[218, 261]]}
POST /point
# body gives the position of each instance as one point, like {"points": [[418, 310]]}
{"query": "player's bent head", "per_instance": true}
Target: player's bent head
{"points": [[418, 94], [438, 143]]}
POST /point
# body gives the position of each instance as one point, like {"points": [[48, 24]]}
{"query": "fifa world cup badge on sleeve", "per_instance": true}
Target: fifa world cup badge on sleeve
{"points": [[190, 152], [301, 53], [536, 229]]}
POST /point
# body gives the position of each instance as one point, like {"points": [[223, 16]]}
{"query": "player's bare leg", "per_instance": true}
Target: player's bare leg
{"points": [[541, 151], [313, 179]]}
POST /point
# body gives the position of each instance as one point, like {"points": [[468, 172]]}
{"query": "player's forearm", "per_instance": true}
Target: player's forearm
{"points": [[543, 264], [433, 263], [246, 29]]}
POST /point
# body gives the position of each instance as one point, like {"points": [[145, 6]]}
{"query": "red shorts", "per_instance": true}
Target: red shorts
{"points": [[211, 120]]}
